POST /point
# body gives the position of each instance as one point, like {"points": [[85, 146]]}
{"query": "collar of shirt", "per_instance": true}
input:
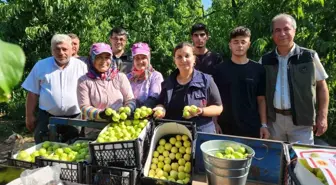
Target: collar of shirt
{"points": [[291, 52], [58, 67]]}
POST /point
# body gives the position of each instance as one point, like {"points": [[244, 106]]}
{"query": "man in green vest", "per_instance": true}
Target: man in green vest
{"points": [[295, 80]]}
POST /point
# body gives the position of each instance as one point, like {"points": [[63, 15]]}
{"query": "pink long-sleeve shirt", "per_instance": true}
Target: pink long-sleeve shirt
{"points": [[95, 95]]}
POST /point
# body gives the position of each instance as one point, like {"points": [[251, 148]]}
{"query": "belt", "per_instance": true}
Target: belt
{"points": [[50, 115], [286, 112]]}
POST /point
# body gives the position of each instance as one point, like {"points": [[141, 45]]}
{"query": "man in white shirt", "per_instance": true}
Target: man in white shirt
{"points": [[295, 80], [53, 83]]}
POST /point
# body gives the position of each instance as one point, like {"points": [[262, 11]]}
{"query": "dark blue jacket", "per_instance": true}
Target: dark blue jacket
{"points": [[197, 93]]}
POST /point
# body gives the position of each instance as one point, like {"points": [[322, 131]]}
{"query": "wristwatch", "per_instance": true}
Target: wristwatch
{"points": [[263, 125]]}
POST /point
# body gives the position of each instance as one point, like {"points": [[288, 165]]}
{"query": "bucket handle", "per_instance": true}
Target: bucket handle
{"points": [[261, 158]]}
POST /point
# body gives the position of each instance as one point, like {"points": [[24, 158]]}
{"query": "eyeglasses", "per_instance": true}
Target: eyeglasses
{"points": [[121, 39]]}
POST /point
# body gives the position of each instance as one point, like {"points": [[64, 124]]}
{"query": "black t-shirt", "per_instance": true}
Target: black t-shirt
{"points": [[239, 87], [124, 63], [206, 63], [174, 110]]}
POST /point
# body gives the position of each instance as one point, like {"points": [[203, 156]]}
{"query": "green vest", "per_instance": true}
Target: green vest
{"points": [[301, 81]]}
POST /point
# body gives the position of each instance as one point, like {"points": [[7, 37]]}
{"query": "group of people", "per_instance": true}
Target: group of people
{"points": [[273, 98]]}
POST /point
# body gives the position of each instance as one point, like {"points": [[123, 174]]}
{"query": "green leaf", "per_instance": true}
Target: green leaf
{"points": [[12, 61]]}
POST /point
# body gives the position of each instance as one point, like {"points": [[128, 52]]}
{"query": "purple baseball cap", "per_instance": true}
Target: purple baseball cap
{"points": [[98, 48], [140, 48]]}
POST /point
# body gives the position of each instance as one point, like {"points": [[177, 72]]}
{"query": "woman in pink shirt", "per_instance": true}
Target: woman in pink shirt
{"points": [[103, 86], [145, 81]]}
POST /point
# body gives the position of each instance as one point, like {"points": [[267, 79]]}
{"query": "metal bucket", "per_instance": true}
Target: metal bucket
{"points": [[214, 179], [227, 171]]}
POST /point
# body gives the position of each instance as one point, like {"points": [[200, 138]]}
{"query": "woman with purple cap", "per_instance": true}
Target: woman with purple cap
{"points": [[145, 81], [103, 86]]}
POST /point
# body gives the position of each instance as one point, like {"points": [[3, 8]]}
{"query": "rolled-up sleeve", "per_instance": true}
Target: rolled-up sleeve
{"points": [[32, 82], [88, 111]]}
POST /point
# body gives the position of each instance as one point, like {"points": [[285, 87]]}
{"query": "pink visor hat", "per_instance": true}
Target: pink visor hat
{"points": [[140, 48]]}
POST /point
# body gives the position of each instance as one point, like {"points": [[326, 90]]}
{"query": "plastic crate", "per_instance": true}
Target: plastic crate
{"points": [[72, 172], [191, 128], [21, 164], [110, 175], [292, 177], [125, 154]]}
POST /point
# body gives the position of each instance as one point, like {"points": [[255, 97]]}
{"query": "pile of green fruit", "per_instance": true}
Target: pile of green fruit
{"points": [[122, 113], [316, 171], [143, 112], [72, 153], [122, 131], [231, 153], [171, 160]]}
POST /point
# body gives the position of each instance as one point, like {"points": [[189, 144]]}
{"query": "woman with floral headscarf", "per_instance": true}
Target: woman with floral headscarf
{"points": [[145, 81], [103, 86]]}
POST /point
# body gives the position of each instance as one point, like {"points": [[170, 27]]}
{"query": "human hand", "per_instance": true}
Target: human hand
{"points": [[30, 122], [191, 111], [218, 129], [321, 125], [264, 133], [159, 112]]}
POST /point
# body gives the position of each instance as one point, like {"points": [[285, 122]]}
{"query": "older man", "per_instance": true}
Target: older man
{"points": [[53, 83], [295, 80], [118, 40]]}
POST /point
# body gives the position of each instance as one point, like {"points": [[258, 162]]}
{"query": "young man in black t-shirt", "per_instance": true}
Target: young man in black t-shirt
{"points": [[241, 83], [205, 59]]}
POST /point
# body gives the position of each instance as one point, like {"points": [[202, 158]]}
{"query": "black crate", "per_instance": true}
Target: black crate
{"points": [[190, 125], [21, 164], [70, 171], [192, 128], [124, 154], [110, 175], [292, 177]]}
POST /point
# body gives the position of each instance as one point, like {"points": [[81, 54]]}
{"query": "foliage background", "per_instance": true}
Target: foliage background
{"points": [[163, 24]]}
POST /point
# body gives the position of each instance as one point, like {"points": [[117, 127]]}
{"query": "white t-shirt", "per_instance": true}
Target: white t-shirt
{"points": [[56, 87]]}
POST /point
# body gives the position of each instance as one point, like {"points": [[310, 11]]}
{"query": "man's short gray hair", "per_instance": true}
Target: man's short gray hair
{"points": [[283, 16], [60, 38]]}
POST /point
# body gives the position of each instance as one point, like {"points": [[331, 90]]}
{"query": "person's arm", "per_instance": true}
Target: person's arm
{"points": [[83, 97], [323, 102], [322, 96], [127, 92], [154, 90], [159, 110], [262, 108], [214, 106], [31, 104], [261, 100], [32, 85]]}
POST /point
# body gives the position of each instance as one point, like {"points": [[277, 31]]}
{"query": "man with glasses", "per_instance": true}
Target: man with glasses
{"points": [[118, 40], [205, 59]]}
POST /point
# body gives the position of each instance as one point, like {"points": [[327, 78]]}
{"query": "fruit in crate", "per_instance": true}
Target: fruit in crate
{"points": [[121, 131], [174, 154], [316, 171], [232, 152]]}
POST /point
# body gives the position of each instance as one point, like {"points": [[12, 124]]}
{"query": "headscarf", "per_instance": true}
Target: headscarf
{"points": [[97, 49], [141, 75]]}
